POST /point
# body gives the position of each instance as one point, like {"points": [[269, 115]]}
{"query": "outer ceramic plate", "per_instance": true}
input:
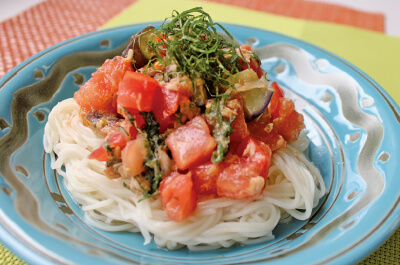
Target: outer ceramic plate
{"points": [[353, 128]]}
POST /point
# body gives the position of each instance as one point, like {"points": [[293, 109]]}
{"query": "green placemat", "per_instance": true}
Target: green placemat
{"points": [[388, 253], [6, 257]]}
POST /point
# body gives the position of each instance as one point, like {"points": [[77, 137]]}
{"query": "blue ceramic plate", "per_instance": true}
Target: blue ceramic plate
{"points": [[353, 128]]}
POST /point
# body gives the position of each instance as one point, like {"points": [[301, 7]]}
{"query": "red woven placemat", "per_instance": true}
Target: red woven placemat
{"points": [[49, 23]]}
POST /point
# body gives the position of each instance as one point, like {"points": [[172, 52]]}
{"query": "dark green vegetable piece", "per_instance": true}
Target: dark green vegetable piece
{"points": [[142, 52], [144, 38], [255, 99]]}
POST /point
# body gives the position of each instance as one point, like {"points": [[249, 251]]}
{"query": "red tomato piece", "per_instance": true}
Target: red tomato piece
{"points": [[99, 154], [238, 125], [178, 196], [240, 180], [134, 114], [191, 144], [133, 156], [244, 176], [169, 101], [283, 109], [116, 141], [256, 67], [263, 130], [166, 103], [254, 64], [166, 123], [99, 92], [125, 128], [204, 178], [256, 152], [289, 123], [273, 104], [136, 91], [132, 131]]}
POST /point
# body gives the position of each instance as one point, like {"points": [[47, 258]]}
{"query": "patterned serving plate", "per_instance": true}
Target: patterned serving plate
{"points": [[352, 124]]}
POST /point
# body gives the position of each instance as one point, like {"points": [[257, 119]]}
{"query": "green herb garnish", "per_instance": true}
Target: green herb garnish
{"points": [[156, 141], [190, 39], [125, 185], [221, 129], [108, 148]]}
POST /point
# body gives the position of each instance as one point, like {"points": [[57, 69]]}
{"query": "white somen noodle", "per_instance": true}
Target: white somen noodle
{"points": [[293, 188]]}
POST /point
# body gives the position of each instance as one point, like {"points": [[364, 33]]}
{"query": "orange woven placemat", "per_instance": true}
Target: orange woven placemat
{"points": [[315, 11]]}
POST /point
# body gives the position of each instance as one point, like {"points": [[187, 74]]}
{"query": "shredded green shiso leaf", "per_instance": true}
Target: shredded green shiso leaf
{"points": [[222, 129], [156, 141], [191, 40]]}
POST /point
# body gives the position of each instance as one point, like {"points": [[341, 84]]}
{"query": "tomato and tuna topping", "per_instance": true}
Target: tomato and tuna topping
{"points": [[99, 93], [185, 128], [191, 143], [178, 196], [244, 174]]}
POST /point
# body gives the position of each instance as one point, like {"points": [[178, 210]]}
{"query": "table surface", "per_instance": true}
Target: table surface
{"points": [[26, 23]]}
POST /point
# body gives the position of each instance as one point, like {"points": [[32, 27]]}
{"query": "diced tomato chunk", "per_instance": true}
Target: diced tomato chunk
{"points": [[263, 130], [289, 122], [115, 142], [126, 129], [99, 154], [254, 63], [256, 152], [255, 66], [204, 178], [284, 108], [133, 156], [238, 125], [178, 196], [244, 176], [99, 92], [116, 68], [280, 123], [273, 104], [117, 139], [240, 180], [132, 131], [286, 120], [134, 114], [136, 91], [191, 144], [166, 103]]}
